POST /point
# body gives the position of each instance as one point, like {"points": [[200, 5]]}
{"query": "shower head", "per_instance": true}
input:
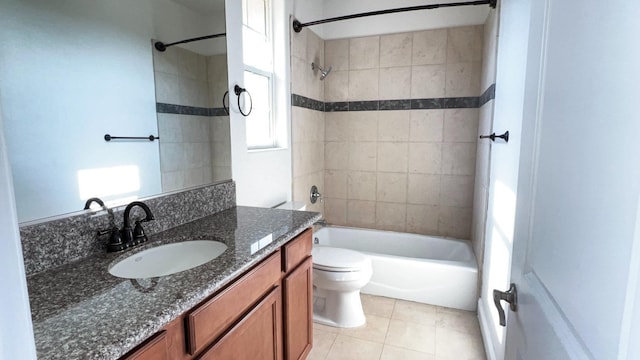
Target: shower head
{"points": [[323, 72]]}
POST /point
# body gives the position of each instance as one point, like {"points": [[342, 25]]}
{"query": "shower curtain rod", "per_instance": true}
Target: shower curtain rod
{"points": [[160, 46], [297, 25]]}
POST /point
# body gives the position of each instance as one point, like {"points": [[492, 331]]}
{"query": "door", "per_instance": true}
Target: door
{"points": [[503, 175], [576, 256]]}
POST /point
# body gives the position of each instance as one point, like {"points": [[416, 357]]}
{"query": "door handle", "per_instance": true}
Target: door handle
{"points": [[510, 296], [493, 136]]}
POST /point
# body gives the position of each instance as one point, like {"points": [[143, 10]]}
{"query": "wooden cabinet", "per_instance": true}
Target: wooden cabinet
{"points": [[257, 336], [298, 296], [298, 311], [266, 313], [154, 348]]}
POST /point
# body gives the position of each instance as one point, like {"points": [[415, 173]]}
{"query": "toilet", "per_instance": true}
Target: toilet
{"points": [[338, 276]]}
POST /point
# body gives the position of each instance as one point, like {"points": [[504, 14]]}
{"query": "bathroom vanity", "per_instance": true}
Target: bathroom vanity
{"points": [[252, 302]]}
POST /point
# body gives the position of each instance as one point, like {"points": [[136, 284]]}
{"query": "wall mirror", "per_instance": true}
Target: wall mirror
{"points": [[73, 71]]}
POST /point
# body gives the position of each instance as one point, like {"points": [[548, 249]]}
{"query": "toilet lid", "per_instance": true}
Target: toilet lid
{"points": [[336, 259]]}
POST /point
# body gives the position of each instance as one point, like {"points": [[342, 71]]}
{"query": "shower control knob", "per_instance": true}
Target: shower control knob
{"points": [[314, 195]]}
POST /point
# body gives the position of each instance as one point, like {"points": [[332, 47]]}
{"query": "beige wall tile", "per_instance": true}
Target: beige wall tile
{"points": [[458, 158], [391, 216], [172, 157], [456, 190], [347, 347], [429, 47], [489, 47], [315, 48], [192, 65], [363, 84], [364, 53], [335, 211], [300, 70], [336, 126], [169, 128], [412, 336], [336, 86], [363, 125], [336, 155], [426, 125], [221, 154], [336, 54], [335, 183], [464, 44], [463, 79], [428, 81], [392, 157], [299, 44], [361, 213], [361, 185], [363, 156], [165, 88], [392, 187], [423, 189], [454, 222], [395, 83], [220, 129], [461, 125], [167, 61], [395, 50], [422, 219], [173, 180], [393, 126], [425, 158]]}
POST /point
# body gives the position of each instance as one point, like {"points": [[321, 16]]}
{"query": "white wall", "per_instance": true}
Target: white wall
{"points": [[263, 178], [16, 333], [391, 23]]}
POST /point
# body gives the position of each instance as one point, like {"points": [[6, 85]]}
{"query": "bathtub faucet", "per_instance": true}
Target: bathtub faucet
{"points": [[321, 222]]}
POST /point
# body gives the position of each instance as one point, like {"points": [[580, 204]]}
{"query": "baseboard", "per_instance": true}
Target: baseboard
{"points": [[484, 330]]}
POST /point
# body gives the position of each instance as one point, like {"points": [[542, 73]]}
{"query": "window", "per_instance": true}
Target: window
{"points": [[259, 73]]}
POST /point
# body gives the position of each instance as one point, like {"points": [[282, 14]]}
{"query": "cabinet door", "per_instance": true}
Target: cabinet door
{"points": [[298, 311], [155, 348], [257, 336]]}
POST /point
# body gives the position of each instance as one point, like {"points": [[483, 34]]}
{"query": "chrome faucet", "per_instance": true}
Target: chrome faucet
{"points": [[127, 237]]}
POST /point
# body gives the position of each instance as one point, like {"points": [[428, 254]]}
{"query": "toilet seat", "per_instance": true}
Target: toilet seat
{"points": [[333, 259]]}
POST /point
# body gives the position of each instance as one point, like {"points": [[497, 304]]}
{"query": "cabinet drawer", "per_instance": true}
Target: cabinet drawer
{"points": [[207, 321], [155, 348], [297, 250]]}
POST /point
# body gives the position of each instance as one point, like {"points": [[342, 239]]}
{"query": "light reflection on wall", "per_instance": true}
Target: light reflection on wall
{"points": [[111, 184]]}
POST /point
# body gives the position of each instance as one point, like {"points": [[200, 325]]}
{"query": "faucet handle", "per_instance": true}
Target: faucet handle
{"points": [[138, 232], [115, 241]]}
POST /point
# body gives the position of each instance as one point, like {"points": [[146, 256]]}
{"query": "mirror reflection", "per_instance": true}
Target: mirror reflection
{"points": [[73, 71]]}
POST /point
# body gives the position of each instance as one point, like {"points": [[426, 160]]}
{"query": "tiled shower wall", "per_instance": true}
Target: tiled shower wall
{"points": [[307, 124], [194, 143], [481, 186], [408, 169]]}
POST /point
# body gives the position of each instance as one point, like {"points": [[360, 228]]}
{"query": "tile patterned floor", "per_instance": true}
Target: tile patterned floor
{"points": [[405, 330]]}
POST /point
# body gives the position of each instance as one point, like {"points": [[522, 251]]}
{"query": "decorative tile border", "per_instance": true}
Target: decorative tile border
{"points": [[470, 102], [46, 245], [488, 95], [164, 108]]}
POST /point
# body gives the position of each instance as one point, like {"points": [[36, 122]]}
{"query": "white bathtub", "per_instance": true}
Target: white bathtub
{"points": [[412, 267]]}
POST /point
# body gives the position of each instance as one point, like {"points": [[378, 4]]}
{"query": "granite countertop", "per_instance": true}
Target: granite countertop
{"points": [[80, 311]]}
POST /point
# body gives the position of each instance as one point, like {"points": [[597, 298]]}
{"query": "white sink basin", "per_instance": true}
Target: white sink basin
{"points": [[167, 259]]}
